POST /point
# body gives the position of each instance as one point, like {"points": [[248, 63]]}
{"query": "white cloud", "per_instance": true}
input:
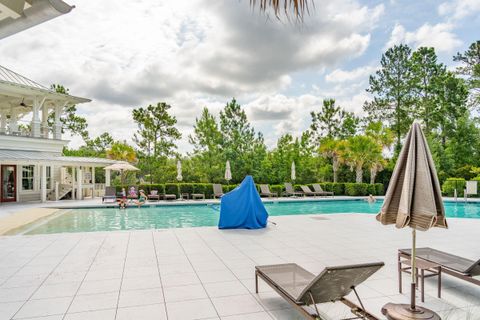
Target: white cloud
{"points": [[439, 35], [189, 53], [459, 9], [339, 75]]}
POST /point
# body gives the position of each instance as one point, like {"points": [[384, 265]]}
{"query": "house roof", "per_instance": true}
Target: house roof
{"points": [[21, 156], [15, 85], [18, 15], [8, 75]]}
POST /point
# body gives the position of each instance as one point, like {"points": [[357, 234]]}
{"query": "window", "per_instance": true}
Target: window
{"points": [[27, 177]]}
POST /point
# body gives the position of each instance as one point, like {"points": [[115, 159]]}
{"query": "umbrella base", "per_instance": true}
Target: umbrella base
{"points": [[403, 312]]}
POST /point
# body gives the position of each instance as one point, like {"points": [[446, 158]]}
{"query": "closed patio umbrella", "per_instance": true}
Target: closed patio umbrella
{"points": [[293, 174], [228, 171], [414, 200], [179, 171]]}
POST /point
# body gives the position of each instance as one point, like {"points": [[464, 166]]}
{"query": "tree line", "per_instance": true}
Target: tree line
{"points": [[338, 146]]}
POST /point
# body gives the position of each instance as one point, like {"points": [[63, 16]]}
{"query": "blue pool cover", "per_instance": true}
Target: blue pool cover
{"points": [[242, 208]]}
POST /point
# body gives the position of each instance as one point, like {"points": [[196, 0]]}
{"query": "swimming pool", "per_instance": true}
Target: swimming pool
{"points": [[200, 215]]}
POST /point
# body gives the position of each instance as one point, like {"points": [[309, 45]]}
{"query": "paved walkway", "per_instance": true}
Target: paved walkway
{"points": [[206, 273]]}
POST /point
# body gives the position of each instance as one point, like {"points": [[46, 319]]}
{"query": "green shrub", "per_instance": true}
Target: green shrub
{"points": [[172, 188], [276, 188], [379, 189], [371, 189], [351, 189], [451, 184], [356, 189], [186, 188]]}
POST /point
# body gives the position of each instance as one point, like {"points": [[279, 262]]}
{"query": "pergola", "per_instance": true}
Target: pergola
{"points": [[27, 139], [18, 15], [20, 97]]}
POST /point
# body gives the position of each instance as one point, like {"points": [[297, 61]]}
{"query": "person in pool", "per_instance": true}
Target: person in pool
{"points": [[371, 199], [141, 199]]}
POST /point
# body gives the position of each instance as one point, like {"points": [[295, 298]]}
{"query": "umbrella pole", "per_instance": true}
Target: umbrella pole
{"points": [[414, 270]]}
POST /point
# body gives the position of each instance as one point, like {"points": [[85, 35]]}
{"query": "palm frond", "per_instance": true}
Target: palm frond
{"points": [[297, 8]]}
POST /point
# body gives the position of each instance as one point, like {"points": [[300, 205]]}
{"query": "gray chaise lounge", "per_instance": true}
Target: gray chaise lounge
{"points": [[306, 190], [265, 191], [319, 190], [289, 191], [217, 190], [110, 194], [453, 265], [303, 290]]}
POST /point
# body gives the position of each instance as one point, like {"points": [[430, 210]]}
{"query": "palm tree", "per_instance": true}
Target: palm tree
{"points": [[335, 150], [359, 152], [377, 164], [384, 137], [121, 151], [298, 7]]}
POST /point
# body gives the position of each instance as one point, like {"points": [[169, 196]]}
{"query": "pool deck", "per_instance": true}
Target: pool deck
{"points": [[206, 273]]}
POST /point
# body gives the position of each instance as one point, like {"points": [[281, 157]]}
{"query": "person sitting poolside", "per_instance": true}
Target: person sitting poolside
{"points": [[141, 199]]}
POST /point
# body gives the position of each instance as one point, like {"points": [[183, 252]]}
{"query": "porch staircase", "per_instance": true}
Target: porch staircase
{"points": [[63, 190]]}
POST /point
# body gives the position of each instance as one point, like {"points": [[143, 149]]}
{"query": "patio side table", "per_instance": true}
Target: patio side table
{"points": [[427, 269], [184, 196]]}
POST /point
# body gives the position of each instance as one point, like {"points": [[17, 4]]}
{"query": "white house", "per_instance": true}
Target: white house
{"points": [[32, 166]]}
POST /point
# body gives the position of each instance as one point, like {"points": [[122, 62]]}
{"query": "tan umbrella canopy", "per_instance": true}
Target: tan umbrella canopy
{"points": [[179, 171], [228, 171], [414, 198], [121, 166]]}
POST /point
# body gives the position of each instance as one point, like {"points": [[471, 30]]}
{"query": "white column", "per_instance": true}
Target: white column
{"points": [[3, 121], [107, 178], [43, 183], [73, 183], [13, 125], [79, 184], [57, 130], [57, 186], [93, 182], [44, 121], [37, 104]]}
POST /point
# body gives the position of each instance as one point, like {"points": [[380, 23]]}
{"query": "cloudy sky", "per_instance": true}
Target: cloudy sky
{"points": [[195, 53]]}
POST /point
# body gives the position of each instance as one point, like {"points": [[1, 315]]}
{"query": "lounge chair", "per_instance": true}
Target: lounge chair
{"points": [[453, 265], [308, 192], [265, 191], [217, 190], [196, 196], [169, 196], [153, 195], [110, 194], [289, 191], [303, 290], [320, 191]]}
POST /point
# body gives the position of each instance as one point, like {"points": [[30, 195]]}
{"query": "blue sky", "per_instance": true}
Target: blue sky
{"points": [[195, 53]]}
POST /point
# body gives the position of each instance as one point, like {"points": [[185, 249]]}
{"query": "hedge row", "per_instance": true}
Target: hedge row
{"points": [[449, 186], [348, 189]]}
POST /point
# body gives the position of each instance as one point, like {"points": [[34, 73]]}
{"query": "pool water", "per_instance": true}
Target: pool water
{"points": [[200, 215]]}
